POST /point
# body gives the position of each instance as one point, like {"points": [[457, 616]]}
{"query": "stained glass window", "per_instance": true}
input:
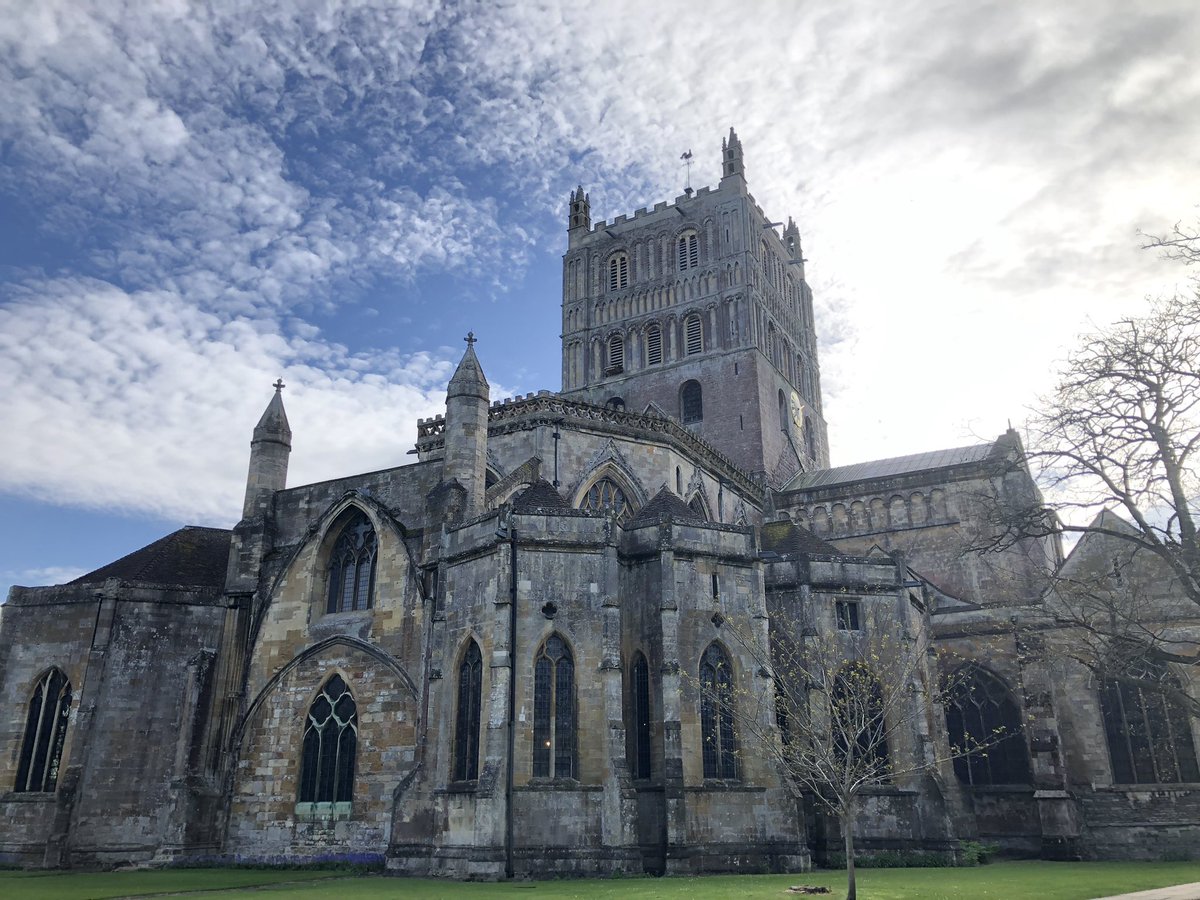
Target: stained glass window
{"points": [[716, 714], [45, 733], [352, 567], [466, 731], [554, 711]]}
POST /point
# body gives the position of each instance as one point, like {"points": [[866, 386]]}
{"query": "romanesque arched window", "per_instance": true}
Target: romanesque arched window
{"points": [[45, 732], [466, 726], [691, 403], [984, 722], [618, 272], [606, 496], [1149, 735], [654, 354], [640, 696], [330, 745], [688, 247], [351, 576], [693, 335], [554, 711], [616, 355], [716, 714], [856, 710]]}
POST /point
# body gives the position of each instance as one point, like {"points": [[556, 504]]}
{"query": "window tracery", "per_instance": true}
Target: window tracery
{"points": [[45, 733], [330, 746], [983, 711], [351, 576], [606, 496], [1149, 735], [716, 714], [470, 701], [554, 711]]}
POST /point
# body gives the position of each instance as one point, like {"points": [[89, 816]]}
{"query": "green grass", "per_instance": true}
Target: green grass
{"points": [[1007, 880]]}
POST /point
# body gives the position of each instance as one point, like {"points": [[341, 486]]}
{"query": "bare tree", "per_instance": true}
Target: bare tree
{"points": [[850, 707], [1179, 243]]}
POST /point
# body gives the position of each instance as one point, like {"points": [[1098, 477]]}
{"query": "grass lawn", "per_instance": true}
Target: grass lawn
{"points": [[1007, 880]]}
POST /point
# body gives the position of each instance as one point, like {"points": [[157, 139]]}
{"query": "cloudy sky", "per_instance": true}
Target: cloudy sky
{"points": [[196, 198]]}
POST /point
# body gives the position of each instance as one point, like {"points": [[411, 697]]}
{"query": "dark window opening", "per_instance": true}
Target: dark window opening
{"points": [[847, 615], [641, 718], [466, 730], [615, 403], [1149, 735], [984, 724], [693, 335], [554, 711], [716, 714], [45, 733], [351, 577], [691, 403], [330, 745]]}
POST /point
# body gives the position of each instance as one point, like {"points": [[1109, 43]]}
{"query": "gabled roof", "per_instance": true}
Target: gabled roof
{"points": [[540, 495], [192, 556], [788, 537], [665, 503], [896, 465]]}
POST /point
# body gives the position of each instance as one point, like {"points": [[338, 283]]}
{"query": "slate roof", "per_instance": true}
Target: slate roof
{"points": [[886, 468], [540, 495], [788, 537], [665, 503], [192, 556]]}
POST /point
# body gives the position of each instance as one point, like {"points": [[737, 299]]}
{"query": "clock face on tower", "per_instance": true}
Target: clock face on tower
{"points": [[797, 412]]}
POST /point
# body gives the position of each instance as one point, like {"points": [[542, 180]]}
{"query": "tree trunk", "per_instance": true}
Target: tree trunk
{"points": [[848, 831]]}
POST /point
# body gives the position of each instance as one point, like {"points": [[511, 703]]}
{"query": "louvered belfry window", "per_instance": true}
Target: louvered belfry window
{"points": [[352, 567], [618, 272], [554, 711], [654, 356], [716, 714], [330, 746], [693, 334], [689, 251], [45, 733], [616, 355], [466, 730]]}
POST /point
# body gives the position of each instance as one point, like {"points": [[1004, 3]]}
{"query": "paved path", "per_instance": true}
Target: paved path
{"points": [[1178, 892]]}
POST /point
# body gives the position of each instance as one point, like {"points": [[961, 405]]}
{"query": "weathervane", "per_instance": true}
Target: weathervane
{"points": [[686, 156]]}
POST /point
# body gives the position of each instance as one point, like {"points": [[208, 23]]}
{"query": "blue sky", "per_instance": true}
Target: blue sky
{"points": [[197, 198]]}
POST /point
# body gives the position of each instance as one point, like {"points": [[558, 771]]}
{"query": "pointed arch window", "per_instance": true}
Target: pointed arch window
{"points": [[859, 729], [45, 732], [606, 496], [810, 438], [351, 577], [554, 711], [688, 247], [1149, 735], [982, 711], [693, 334], [616, 355], [466, 728], [640, 689], [691, 403], [330, 745], [716, 714], [654, 356], [618, 272]]}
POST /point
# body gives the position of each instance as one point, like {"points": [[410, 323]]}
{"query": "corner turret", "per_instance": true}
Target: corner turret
{"points": [[269, 451], [467, 398], [732, 165], [579, 220]]}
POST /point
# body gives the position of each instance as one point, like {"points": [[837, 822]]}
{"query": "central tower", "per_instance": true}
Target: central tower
{"points": [[698, 310]]}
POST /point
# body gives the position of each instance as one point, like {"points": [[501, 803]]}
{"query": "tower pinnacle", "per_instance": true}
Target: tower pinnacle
{"points": [[731, 157]]}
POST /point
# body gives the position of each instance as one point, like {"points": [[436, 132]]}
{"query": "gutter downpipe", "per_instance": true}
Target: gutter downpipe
{"points": [[509, 818]]}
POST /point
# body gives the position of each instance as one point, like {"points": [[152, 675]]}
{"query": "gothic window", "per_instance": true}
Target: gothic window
{"points": [[689, 251], [641, 763], [618, 272], [617, 404], [693, 335], [982, 711], [606, 496], [554, 711], [716, 714], [696, 505], [351, 577], [1149, 735], [859, 730], [783, 412], [45, 732], [330, 745], [654, 356], [691, 403], [466, 727], [616, 355]]}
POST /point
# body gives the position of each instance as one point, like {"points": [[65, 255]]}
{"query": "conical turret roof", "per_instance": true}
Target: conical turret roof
{"points": [[468, 377], [273, 426]]}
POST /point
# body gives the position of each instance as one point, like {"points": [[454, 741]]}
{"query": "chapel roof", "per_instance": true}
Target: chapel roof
{"points": [[194, 556], [788, 537], [665, 503], [896, 465], [540, 495]]}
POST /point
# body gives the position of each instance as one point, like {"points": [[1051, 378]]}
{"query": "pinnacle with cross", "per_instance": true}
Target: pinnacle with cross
{"points": [[279, 385], [470, 338]]}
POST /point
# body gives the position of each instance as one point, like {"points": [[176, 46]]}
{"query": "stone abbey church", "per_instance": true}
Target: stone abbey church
{"points": [[487, 662]]}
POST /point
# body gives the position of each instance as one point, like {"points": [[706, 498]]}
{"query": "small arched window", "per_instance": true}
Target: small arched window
{"points": [[810, 438], [616, 355], [984, 723], [688, 247], [45, 732], [554, 711], [693, 335], [1149, 735], [618, 272], [606, 496], [616, 404], [716, 714], [351, 577], [691, 403], [466, 726], [330, 745], [640, 690], [654, 355], [783, 412]]}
